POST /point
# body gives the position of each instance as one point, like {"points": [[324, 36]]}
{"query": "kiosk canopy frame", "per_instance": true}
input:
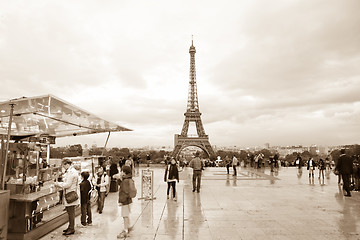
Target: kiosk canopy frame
{"points": [[51, 116]]}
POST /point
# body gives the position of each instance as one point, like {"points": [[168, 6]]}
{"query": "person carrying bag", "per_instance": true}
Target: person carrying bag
{"points": [[70, 187]]}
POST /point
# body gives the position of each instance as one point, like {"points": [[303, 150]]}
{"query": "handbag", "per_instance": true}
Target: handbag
{"points": [[71, 197], [93, 195]]}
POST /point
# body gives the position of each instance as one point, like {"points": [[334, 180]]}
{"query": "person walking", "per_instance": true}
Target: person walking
{"points": [[234, 164], [85, 188], [102, 182], [171, 177], [197, 165], [70, 186], [345, 168]]}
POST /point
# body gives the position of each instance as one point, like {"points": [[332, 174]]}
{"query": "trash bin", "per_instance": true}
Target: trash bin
{"points": [[4, 213]]}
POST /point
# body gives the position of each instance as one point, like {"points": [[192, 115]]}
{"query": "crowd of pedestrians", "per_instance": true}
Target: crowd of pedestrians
{"points": [[347, 168], [75, 193]]}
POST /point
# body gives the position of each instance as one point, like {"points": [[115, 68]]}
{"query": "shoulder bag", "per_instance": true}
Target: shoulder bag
{"points": [[71, 197]]}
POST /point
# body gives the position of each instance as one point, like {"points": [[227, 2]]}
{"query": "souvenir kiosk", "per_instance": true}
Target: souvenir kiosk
{"points": [[28, 126]]}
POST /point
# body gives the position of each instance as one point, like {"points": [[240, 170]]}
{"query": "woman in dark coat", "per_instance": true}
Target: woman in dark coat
{"points": [[171, 176]]}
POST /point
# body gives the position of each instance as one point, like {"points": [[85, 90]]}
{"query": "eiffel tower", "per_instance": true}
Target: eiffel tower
{"points": [[192, 114]]}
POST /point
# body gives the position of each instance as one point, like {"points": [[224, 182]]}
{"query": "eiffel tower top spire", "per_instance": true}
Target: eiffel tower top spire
{"points": [[192, 104]]}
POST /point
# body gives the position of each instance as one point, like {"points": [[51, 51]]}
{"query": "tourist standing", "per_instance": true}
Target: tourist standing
{"points": [[197, 165], [124, 199], [276, 161], [70, 185], [311, 167], [130, 162], [102, 183], [148, 160], [85, 188], [345, 168], [299, 163], [256, 161], [171, 177], [227, 161], [271, 162], [321, 168], [327, 164], [356, 173], [234, 164]]}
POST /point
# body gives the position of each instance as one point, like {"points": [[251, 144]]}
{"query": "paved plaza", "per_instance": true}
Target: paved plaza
{"points": [[254, 205]]}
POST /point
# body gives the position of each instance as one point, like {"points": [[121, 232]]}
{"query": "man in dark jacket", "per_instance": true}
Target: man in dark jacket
{"points": [[85, 188], [345, 168]]}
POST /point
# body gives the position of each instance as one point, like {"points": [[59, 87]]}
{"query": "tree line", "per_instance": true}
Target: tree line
{"points": [[158, 156]]}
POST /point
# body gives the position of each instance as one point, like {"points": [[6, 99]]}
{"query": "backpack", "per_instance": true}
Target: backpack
{"points": [[133, 191]]}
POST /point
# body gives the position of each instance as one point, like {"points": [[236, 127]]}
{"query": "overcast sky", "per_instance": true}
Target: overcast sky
{"points": [[279, 72]]}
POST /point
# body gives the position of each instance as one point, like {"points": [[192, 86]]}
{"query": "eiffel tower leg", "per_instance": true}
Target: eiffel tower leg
{"points": [[176, 151], [210, 151], [185, 129]]}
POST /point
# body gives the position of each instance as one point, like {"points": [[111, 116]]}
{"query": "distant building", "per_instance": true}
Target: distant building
{"points": [[313, 150]]}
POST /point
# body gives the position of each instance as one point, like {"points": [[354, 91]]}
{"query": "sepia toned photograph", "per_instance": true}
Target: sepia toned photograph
{"points": [[179, 120]]}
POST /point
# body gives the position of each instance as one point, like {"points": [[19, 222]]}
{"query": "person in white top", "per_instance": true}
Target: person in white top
{"points": [[70, 184], [311, 167], [101, 184], [234, 164]]}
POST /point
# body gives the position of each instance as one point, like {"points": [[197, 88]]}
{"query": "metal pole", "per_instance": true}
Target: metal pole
{"points": [[107, 139], [7, 145], [48, 154], [2, 152]]}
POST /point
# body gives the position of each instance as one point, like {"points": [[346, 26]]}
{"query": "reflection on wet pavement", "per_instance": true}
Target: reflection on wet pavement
{"points": [[257, 204]]}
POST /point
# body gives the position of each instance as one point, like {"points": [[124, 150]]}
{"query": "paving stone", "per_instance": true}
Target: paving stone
{"points": [[254, 205]]}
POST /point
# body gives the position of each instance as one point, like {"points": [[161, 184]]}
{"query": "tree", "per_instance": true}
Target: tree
{"points": [[74, 151], [95, 151], [266, 153], [124, 152], [58, 152], [243, 155], [290, 158]]}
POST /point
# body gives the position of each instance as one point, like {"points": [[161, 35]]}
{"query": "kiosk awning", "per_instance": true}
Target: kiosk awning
{"points": [[49, 115]]}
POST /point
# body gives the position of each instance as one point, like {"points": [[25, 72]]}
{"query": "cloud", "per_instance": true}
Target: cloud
{"points": [[289, 48], [279, 71]]}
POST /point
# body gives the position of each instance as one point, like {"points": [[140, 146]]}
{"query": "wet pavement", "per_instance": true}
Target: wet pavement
{"points": [[254, 205]]}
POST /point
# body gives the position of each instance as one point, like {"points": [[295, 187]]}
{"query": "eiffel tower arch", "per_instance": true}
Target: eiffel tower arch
{"points": [[192, 114]]}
